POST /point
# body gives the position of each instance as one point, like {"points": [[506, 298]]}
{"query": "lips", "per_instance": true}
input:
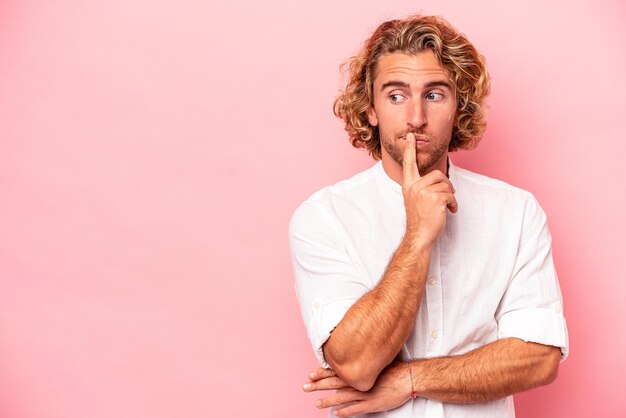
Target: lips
{"points": [[419, 139]]}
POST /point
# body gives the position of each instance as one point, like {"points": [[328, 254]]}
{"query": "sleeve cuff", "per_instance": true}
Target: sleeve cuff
{"points": [[537, 325], [323, 321]]}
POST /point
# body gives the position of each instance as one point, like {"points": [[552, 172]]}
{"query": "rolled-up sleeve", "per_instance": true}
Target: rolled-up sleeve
{"points": [[532, 306], [327, 281]]}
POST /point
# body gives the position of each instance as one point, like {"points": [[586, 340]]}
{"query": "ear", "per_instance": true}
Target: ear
{"points": [[371, 116]]}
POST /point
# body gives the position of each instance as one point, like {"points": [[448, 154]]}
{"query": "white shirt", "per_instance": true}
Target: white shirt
{"points": [[491, 272]]}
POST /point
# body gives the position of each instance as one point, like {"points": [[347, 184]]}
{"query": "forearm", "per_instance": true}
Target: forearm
{"points": [[491, 372], [374, 329]]}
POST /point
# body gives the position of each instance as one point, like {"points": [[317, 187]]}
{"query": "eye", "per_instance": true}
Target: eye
{"points": [[435, 97], [396, 97]]}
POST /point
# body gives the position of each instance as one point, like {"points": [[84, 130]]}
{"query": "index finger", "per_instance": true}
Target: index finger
{"points": [[410, 172], [321, 373], [328, 383]]}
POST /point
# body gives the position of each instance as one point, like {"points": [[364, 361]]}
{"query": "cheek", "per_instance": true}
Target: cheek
{"points": [[443, 119], [392, 115]]}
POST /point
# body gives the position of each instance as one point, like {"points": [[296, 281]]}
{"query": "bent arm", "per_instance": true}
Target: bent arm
{"points": [[374, 329]]}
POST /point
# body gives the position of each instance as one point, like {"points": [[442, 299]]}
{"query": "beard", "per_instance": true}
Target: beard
{"points": [[426, 161]]}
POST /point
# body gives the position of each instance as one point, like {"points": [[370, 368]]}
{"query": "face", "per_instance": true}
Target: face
{"points": [[413, 93]]}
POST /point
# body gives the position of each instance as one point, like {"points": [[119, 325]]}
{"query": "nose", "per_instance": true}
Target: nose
{"points": [[416, 117]]}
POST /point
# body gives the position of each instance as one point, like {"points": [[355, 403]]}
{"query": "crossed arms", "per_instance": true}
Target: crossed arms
{"points": [[362, 348], [496, 370]]}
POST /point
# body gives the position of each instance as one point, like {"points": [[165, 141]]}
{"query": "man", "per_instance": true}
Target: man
{"points": [[427, 290]]}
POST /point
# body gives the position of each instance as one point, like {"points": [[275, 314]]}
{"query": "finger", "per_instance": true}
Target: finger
{"points": [[357, 408], [328, 383], [441, 187], [410, 172], [452, 204], [339, 398], [321, 373], [435, 176], [447, 202]]}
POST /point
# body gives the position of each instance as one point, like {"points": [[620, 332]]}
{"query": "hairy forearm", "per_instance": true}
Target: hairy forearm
{"points": [[496, 370], [491, 372], [374, 329]]}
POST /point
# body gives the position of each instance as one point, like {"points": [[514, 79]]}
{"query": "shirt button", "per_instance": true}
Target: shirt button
{"points": [[434, 334], [316, 305], [557, 308], [432, 281]]}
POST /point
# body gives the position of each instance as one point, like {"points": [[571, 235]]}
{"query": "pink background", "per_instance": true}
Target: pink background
{"points": [[151, 155]]}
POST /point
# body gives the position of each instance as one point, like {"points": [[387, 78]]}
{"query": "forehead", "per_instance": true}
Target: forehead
{"points": [[411, 68]]}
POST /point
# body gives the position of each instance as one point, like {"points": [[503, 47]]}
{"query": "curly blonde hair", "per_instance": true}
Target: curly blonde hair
{"points": [[414, 35]]}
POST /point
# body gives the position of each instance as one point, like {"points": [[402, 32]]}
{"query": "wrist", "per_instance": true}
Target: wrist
{"points": [[416, 242], [403, 386], [413, 392], [418, 383]]}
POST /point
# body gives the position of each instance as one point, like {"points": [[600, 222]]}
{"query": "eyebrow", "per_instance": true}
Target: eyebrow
{"points": [[397, 83], [394, 83]]}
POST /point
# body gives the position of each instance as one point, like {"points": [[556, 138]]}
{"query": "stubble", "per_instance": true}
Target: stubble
{"points": [[425, 160]]}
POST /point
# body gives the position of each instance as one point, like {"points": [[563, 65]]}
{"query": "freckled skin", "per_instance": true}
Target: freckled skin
{"points": [[416, 106]]}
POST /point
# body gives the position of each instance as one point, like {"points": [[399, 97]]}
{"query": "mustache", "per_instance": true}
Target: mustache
{"points": [[418, 134]]}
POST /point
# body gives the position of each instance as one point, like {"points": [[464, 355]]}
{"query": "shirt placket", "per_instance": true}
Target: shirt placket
{"points": [[434, 299]]}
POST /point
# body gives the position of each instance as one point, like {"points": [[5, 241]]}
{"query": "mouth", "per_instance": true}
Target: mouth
{"points": [[419, 139]]}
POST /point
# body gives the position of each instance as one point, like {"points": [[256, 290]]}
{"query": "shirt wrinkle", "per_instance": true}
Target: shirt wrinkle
{"points": [[491, 273]]}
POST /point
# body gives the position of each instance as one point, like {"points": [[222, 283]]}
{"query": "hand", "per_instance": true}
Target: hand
{"points": [[425, 198], [392, 389]]}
